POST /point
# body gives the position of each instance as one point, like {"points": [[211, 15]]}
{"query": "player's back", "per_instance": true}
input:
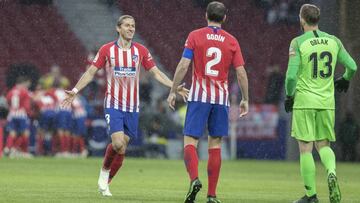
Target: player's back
{"points": [[19, 101], [215, 50], [318, 53]]}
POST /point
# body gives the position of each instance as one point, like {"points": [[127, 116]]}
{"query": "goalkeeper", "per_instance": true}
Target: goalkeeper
{"points": [[310, 97]]}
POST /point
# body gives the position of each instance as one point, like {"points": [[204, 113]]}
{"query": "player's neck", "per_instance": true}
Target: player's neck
{"points": [[310, 28], [123, 43], [213, 24]]}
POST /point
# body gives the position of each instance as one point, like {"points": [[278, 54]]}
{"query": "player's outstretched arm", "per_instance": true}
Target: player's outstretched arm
{"points": [[83, 81], [180, 73], [163, 79], [243, 83]]}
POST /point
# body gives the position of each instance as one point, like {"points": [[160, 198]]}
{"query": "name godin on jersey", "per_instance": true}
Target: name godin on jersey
{"points": [[125, 71], [215, 37]]}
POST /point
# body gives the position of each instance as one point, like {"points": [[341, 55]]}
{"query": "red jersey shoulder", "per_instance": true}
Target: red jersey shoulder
{"points": [[142, 49], [198, 32], [230, 36], [106, 47]]}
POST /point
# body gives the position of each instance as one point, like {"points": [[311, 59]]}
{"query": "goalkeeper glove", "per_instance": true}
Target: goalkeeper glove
{"points": [[341, 84], [289, 103]]}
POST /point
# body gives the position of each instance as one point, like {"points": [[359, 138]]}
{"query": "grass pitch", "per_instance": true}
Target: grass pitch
{"points": [[163, 181]]}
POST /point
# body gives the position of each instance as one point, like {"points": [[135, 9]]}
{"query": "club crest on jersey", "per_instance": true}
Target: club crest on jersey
{"points": [[135, 58], [124, 71], [291, 51]]}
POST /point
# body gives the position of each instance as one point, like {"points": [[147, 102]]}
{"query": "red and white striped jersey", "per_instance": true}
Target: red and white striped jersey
{"points": [[60, 97], [214, 52], [122, 73], [19, 101], [45, 100], [78, 108]]}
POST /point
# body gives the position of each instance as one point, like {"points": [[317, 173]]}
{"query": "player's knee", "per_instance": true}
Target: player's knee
{"points": [[321, 144], [122, 150], [118, 145]]}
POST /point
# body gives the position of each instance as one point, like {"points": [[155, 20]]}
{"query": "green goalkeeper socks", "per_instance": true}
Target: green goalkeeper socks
{"points": [[328, 159], [307, 169]]}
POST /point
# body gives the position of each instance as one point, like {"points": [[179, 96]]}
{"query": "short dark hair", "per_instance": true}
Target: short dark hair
{"points": [[122, 18], [216, 11], [310, 13]]}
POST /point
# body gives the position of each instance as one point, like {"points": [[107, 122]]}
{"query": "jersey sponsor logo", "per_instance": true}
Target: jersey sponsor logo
{"points": [[319, 41], [291, 51], [135, 58], [125, 71], [219, 38]]}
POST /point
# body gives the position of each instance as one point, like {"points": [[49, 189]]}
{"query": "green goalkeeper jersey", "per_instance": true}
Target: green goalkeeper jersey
{"points": [[310, 75]]}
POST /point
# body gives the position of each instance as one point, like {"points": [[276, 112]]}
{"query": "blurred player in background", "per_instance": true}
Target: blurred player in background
{"points": [[63, 123], [19, 101], [213, 51], [46, 103], [310, 96], [78, 127], [122, 60]]}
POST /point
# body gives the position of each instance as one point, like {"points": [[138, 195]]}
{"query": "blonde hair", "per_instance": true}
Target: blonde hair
{"points": [[122, 18]]}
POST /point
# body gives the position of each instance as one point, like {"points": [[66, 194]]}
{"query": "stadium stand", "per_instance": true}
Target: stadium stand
{"points": [[37, 34]]}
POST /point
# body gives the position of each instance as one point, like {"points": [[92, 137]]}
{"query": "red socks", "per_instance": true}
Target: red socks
{"points": [[116, 165], [109, 157], [213, 168], [10, 141], [25, 144], [191, 161], [81, 143], [40, 145]]}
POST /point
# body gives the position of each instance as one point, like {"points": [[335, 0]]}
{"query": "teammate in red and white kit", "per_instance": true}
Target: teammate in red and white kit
{"points": [[213, 51], [46, 103], [122, 60], [79, 115], [19, 102], [63, 123]]}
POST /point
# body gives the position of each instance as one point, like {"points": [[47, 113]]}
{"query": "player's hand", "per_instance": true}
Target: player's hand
{"points": [[171, 100], [289, 103], [341, 84], [70, 96], [244, 108], [181, 90]]}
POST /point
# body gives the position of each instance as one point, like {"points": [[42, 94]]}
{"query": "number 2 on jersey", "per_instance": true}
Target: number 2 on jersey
{"points": [[314, 56], [209, 53]]}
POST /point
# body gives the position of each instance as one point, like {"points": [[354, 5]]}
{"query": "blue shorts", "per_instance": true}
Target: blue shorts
{"points": [[199, 114], [118, 120], [63, 120], [78, 126], [47, 120], [18, 125]]}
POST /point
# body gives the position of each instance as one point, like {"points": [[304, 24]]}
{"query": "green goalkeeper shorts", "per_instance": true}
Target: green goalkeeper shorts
{"points": [[313, 124]]}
